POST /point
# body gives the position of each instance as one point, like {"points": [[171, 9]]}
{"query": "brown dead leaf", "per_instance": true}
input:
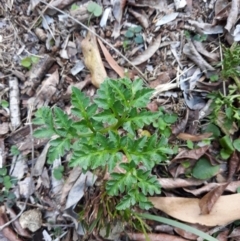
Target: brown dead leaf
{"points": [[68, 184], [188, 210], [233, 165], [223, 236], [47, 90], [80, 85], [233, 14], [190, 51], [148, 53], [119, 70], [235, 233], [212, 57], [118, 7], [4, 128], [93, 59], [22, 232], [209, 86], [150, 3], [62, 3], [194, 154], [36, 74], [222, 9], [153, 106], [141, 17], [232, 187], [181, 125], [208, 201], [220, 120], [169, 183], [162, 78], [154, 237], [189, 235], [185, 136], [7, 231], [81, 13], [206, 28]]}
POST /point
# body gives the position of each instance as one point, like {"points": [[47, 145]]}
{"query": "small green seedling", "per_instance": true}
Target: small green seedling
{"points": [[29, 61], [6, 183], [102, 133], [134, 33], [200, 37], [74, 7], [4, 104], [214, 78], [231, 63], [14, 151], [94, 8]]}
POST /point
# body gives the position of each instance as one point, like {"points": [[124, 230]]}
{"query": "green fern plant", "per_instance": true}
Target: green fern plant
{"points": [[99, 134]]}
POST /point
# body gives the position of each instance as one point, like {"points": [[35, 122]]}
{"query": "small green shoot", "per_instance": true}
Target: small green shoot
{"points": [[29, 61], [200, 37], [214, 78], [6, 183], [4, 103], [74, 7], [94, 9], [14, 151], [231, 63], [190, 144], [134, 33]]}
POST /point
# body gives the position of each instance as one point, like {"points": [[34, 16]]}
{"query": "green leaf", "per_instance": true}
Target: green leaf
{"points": [[105, 97], [204, 170], [80, 103], [43, 133], [7, 182], [129, 34], [61, 119], [4, 103], [34, 59], [190, 144], [213, 129], [57, 148], [3, 171], [142, 98], [14, 151], [91, 6], [74, 7], [94, 8], [106, 116], [137, 29], [148, 184], [58, 172], [138, 39], [43, 116], [126, 202], [236, 144], [119, 182], [170, 118], [226, 143], [26, 62], [140, 119], [214, 78], [90, 156], [98, 11]]}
